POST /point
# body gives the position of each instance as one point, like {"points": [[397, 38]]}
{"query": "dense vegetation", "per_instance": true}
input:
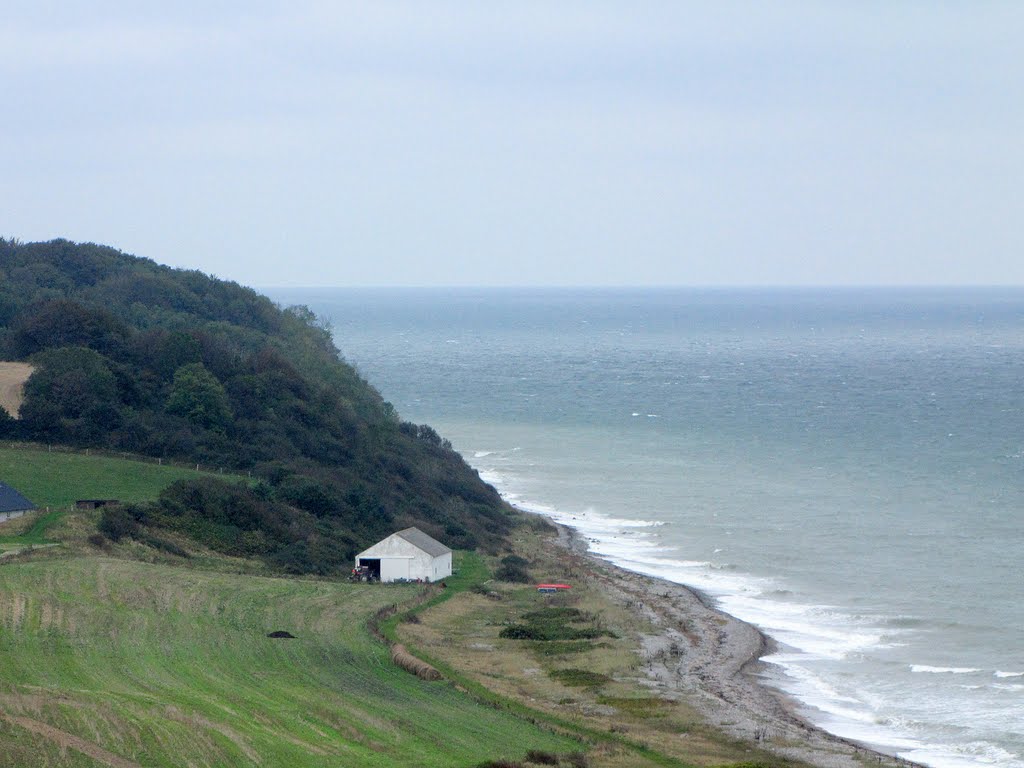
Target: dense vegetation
{"points": [[134, 356]]}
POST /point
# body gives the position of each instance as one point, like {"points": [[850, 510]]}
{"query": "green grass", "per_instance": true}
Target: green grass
{"points": [[554, 624], [171, 666], [638, 706], [56, 480], [579, 678], [471, 575]]}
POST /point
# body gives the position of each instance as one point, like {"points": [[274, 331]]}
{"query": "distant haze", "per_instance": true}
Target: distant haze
{"points": [[525, 143]]}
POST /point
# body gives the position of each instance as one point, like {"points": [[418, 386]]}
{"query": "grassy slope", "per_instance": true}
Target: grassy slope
{"points": [[172, 666], [633, 723], [57, 479]]}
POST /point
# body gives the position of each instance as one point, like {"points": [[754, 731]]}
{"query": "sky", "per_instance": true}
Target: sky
{"points": [[523, 143]]}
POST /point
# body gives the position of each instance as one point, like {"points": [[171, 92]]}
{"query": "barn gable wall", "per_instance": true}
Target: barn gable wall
{"points": [[399, 559]]}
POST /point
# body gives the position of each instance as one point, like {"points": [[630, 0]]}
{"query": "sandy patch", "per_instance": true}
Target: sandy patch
{"points": [[12, 384]]}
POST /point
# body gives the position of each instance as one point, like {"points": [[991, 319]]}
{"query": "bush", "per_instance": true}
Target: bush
{"points": [[116, 522], [579, 678], [554, 623], [513, 569], [541, 758]]}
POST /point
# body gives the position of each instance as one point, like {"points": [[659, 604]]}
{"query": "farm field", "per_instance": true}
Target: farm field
{"points": [[114, 662], [56, 479], [12, 380]]}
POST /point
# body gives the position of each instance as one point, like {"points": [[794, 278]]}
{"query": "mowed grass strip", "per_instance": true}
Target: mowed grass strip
{"points": [[57, 479], [169, 666]]}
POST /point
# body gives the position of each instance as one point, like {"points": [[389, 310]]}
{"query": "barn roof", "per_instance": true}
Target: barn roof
{"points": [[12, 501], [418, 538]]}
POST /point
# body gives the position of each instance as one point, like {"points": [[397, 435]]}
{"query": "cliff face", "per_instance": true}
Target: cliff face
{"points": [[135, 356]]}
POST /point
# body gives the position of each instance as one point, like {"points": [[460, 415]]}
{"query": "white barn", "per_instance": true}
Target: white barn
{"points": [[408, 554]]}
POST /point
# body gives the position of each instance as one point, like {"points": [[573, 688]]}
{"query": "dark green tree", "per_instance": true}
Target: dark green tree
{"points": [[71, 395], [197, 395]]}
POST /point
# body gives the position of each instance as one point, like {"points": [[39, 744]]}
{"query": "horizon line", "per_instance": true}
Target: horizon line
{"points": [[650, 286]]}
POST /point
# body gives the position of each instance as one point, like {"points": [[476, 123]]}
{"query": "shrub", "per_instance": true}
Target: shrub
{"points": [[579, 678], [642, 707], [554, 623], [513, 569], [541, 758], [116, 522]]}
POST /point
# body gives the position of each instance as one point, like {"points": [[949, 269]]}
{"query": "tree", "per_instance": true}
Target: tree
{"points": [[71, 395], [197, 395]]}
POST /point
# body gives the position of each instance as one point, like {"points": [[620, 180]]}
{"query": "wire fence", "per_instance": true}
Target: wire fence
{"points": [[125, 456]]}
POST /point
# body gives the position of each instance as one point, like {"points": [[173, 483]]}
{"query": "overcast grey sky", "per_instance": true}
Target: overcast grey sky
{"points": [[523, 143]]}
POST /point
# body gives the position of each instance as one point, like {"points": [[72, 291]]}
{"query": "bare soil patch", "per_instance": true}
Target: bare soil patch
{"points": [[12, 384]]}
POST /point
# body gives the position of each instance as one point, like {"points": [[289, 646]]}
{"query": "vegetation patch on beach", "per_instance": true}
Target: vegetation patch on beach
{"points": [[554, 648], [556, 623], [638, 706], [579, 678]]}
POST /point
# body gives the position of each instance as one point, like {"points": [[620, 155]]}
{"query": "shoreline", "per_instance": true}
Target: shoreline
{"points": [[714, 661]]}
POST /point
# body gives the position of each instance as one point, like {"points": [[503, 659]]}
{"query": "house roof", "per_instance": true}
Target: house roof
{"points": [[418, 538], [12, 501]]}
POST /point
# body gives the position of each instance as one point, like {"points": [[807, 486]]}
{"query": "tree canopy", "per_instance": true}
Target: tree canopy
{"points": [[134, 356]]}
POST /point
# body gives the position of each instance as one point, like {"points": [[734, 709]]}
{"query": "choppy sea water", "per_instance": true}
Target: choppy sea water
{"points": [[844, 469]]}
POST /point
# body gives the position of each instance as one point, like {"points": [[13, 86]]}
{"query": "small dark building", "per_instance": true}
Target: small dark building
{"points": [[12, 503], [95, 503]]}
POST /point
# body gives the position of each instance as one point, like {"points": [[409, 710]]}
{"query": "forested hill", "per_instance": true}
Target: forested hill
{"points": [[134, 356]]}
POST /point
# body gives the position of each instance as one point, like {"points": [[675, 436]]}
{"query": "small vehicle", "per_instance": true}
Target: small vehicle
{"points": [[361, 573]]}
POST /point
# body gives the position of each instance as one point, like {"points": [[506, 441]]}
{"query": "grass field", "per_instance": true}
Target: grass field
{"points": [[57, 479], [111, 662]]}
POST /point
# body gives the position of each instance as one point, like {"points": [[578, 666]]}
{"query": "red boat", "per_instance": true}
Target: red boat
{"points": [[552, 587]]}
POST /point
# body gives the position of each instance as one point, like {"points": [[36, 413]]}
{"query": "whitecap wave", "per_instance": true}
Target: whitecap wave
{"points": [[808, 634], [967, 755]]}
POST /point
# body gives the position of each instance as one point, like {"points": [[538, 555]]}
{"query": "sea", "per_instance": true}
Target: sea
{"points": [[843, 468]]}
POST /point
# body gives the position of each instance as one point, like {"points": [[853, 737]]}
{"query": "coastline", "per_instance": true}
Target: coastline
{"points": [[713, 660]]}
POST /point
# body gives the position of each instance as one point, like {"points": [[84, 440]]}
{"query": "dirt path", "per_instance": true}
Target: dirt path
{"points": [[12, 381], [69, 741]]}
